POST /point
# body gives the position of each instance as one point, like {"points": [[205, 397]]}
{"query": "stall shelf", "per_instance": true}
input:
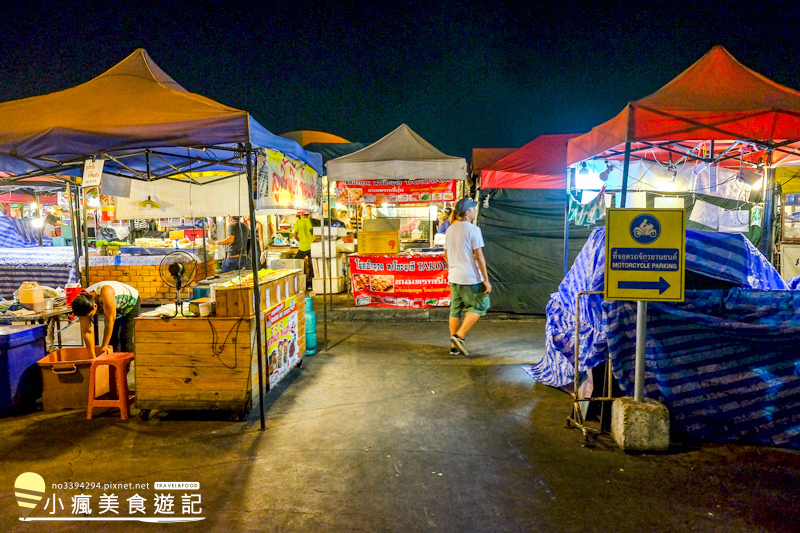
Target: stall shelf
{"points": [[212, 362]]}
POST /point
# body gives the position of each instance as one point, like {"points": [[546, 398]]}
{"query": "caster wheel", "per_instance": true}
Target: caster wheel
{"points": [[300, 364], [144, 414], [241, 416]]}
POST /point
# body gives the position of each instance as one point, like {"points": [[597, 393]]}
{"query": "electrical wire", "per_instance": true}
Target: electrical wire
{"points": [[217, 349]]}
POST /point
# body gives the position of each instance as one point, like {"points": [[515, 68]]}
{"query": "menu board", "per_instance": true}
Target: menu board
{"points": [[391, 280], [395, 192], [283, 348]]}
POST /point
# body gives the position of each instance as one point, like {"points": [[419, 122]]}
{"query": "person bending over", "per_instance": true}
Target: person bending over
{"points": [[119, 304]]}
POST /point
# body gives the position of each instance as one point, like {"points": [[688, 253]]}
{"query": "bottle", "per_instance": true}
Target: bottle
{"points": [[311, 327]]}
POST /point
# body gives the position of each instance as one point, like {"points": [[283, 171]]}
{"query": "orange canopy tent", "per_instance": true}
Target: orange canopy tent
{"points": [[717, 112]]}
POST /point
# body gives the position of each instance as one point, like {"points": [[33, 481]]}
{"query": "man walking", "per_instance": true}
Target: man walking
{"points": [[469, 280]]}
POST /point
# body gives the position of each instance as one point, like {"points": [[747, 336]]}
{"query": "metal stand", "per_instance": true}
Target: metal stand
{"points": [[576, 419]]}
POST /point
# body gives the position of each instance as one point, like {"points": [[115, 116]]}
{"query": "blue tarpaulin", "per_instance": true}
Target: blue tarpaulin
{"points": [[724, 361]]}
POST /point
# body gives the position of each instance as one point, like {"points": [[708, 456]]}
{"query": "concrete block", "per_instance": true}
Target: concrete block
{"points": [[640, 426]]}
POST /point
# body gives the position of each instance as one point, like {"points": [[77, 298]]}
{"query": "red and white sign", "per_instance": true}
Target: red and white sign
{"points": [[395, 192], [400, 280]]}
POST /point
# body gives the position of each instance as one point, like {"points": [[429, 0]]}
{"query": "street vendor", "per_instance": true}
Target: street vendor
{"points": [[302, 231], [236, 241], [119, 304]]}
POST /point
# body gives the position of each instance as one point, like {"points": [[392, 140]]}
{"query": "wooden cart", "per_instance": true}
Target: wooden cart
{"points": [[211, 362]]}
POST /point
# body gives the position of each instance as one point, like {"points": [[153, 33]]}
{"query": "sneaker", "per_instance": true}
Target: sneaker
{"points": [[459, 342], [454, 351]]}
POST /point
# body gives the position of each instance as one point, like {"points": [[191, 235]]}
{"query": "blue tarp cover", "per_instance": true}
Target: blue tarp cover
{"points": [[724, 361]]}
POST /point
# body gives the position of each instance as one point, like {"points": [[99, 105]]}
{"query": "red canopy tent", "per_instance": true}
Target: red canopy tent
{"points": [[540, 164], [717, 98], [716, 112]]}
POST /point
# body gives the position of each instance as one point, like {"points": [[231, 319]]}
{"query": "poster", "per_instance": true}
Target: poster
{"points": [[283, 183], [392, 280], [395, 192], [283, 349]]}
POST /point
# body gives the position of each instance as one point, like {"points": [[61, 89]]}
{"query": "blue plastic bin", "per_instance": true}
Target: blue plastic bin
{"points": [[21, 347]]}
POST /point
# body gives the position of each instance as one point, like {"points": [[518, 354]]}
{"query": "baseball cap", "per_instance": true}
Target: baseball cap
{"points": [[464, 205]]}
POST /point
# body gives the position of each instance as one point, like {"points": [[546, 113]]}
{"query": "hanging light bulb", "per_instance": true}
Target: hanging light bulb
{"points": [[604, 174], [583, 170]]}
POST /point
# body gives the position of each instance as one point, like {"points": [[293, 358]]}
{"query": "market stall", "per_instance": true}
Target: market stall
{"points": [[135, 122], [715, 358], [402, 178]]}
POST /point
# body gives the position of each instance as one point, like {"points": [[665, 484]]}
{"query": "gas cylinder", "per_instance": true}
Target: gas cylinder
{"points": [[311, 327]]}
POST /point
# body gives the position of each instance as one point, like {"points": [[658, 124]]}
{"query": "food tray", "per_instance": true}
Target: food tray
{"points": [[136, 250]]}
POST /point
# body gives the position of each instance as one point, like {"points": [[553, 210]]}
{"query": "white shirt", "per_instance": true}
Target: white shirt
{"points": [[461, 239]]}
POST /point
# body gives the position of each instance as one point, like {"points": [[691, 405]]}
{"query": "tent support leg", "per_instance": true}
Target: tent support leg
{"points": [[625, 168], [262, 387], [74, 223]]}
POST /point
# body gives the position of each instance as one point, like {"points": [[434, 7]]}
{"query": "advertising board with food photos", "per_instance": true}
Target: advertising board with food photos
{"points": [[283, 348], [395, 192], [415, 281]]}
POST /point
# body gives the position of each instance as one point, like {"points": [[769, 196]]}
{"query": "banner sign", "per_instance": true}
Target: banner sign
{"points": [[400, 280], [283, 351], [395, 192], [283, 183]]}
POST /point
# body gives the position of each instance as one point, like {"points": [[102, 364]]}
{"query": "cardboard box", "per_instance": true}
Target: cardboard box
{"points": [[334, 267], [317, 248], [321, 285], [378, 242]]}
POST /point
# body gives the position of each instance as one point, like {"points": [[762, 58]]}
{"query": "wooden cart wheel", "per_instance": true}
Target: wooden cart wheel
{"points": [[144, 414]]}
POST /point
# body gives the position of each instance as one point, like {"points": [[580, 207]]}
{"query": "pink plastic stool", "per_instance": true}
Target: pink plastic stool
{"points": [[117, 381]]}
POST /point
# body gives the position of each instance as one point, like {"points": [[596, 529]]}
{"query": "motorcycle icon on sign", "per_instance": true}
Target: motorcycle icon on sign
{"points": [[645, 229]]}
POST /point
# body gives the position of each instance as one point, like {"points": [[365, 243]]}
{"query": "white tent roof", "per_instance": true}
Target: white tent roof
{"points": [[400, 155]]}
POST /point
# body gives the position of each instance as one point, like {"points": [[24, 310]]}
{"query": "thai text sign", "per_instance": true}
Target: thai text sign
{"points": [[395, 192], [645, 254], [392, 280], [283, 183]]}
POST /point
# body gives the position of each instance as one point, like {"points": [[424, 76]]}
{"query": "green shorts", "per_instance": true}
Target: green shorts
{"points": [[469, 297]]}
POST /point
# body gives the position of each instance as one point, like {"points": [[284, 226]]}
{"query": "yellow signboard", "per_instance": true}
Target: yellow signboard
{"points": [[645, 254]]}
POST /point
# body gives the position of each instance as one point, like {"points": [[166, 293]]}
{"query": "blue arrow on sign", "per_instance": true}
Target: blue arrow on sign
{"points": [[661, 285]]}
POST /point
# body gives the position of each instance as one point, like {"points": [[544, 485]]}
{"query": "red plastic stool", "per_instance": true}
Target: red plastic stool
{"points": [[117, 382]]}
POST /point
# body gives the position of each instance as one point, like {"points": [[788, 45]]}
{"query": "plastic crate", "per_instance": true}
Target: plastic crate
{"points": [[65, 379]]}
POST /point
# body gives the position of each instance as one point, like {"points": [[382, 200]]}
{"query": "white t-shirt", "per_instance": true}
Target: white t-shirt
{"points": [[460, 241]]}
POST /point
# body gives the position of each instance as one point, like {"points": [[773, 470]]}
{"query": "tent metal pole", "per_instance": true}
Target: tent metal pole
{"points": [[566, 224], [73, 223], [86, 239], [625, 168], [769, 208], [205, 251], [330, 252], [262, 387], [324, 274]]}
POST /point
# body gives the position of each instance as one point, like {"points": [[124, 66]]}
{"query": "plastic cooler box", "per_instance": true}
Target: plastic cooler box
{"points": [[65, 379], [20, 348]]}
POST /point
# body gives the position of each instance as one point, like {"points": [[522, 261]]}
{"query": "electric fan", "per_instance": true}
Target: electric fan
{"points": [[177, 270]]}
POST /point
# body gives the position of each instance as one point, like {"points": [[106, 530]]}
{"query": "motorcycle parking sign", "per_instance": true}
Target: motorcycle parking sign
{"points": [[645, 254]]}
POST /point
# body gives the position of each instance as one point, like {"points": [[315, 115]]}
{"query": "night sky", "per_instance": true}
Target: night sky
{"points": [[461, 74]]}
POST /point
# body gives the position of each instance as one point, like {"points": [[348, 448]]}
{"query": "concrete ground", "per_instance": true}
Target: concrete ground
{"points": [[388, 432]]}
